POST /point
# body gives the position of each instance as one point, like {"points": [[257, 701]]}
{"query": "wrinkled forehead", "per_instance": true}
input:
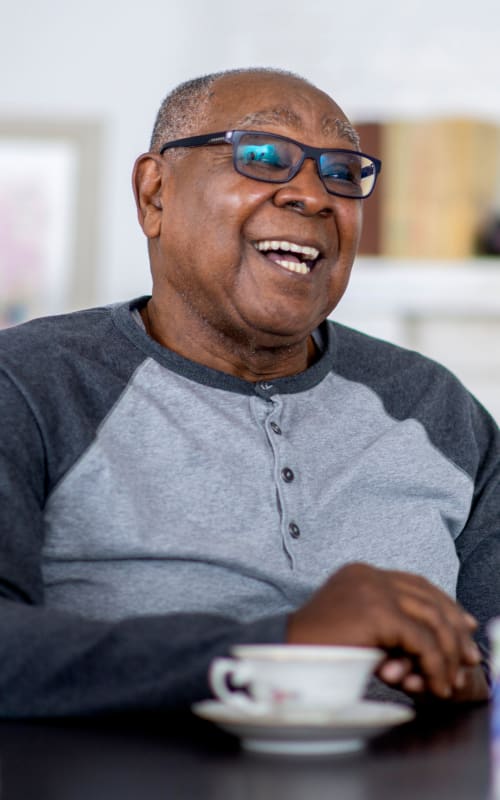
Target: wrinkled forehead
{"points": [[278, 104], [330, 124]]}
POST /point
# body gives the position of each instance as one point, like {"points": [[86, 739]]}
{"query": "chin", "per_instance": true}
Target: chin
{"points": [[279, 324], [281, 334]]}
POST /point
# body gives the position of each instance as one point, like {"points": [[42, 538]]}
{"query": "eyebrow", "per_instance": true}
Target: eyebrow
{"points": [[342, 128], [329, 125], [270, 115]]}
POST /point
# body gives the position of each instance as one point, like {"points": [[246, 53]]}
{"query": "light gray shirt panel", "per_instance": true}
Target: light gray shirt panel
{"points": [[201, 516]]}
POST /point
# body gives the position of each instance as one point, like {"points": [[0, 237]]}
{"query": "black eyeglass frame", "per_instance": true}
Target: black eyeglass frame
{"points": [[232, 138]]}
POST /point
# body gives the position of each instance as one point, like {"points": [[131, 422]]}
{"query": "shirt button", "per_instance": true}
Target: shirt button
{"points": [[294, 530], [276, 428], [287, 474]]}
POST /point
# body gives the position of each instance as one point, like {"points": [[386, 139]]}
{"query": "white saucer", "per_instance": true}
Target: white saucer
{"points": [[311, 733]]}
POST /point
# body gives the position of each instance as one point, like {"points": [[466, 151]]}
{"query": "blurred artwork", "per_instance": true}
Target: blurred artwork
{"points": [[38, 187], [438, 190]]}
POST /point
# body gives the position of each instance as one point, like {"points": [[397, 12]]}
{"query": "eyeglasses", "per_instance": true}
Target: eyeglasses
{"points": [[277, 159]]}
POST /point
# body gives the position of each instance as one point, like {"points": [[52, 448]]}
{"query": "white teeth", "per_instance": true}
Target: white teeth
{"points": [[294, 266], [311, 253]]}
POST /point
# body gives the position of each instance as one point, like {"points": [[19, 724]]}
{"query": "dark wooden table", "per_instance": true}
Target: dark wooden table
{"points": [[438, 756]]}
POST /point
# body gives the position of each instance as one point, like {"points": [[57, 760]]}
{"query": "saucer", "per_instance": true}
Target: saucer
{"points": [[308, 732]]}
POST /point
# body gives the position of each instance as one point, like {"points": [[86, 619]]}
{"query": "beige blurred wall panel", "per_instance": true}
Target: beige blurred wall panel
{"points": [[439, 185]]}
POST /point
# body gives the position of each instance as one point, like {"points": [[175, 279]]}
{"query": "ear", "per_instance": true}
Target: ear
{"points": [[147, 181]]}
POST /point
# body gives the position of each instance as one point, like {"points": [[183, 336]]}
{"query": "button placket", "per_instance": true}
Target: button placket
{"points": [[285, 475], [290, 529]]}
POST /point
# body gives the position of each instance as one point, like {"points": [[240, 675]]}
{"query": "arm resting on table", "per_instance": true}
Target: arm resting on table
{"points": [[56, 664]]}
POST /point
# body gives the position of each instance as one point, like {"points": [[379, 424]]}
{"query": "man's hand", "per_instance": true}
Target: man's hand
{"points": [[427, 636]]}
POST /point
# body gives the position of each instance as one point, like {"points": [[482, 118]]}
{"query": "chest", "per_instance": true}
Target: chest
{"points": [[269, 493]]}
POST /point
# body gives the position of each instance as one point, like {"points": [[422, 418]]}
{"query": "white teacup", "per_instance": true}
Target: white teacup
{"points": [[293, 678]]}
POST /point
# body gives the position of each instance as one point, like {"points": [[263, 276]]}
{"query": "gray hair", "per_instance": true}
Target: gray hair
{"points": [[184, 109]]}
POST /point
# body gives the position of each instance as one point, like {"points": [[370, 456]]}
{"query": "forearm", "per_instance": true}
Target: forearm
{"points": [[54, 664]]}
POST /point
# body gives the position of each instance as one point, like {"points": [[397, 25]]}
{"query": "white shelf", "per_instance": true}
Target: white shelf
{"points": [[382, 285], [449, 311]]}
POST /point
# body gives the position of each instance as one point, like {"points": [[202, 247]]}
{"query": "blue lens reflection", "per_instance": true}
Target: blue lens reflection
{"points": [[340, 170], [265, 154]]}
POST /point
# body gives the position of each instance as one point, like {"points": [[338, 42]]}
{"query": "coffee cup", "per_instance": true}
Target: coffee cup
{"points": [[293, 678]]}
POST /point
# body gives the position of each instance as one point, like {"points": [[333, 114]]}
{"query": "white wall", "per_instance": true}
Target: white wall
{"points": [[114, 60]]}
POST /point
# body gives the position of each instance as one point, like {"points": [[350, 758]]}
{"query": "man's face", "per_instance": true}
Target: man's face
{"points": [[206, 258]]}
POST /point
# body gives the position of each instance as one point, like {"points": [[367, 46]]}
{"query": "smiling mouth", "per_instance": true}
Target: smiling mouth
{"points": [[293, 257]]}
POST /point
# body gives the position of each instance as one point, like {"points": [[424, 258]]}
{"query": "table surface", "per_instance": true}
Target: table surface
{"points": [[441, 754]]}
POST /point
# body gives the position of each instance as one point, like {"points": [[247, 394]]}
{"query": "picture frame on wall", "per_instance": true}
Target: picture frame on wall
{"points": [[49, 199]]}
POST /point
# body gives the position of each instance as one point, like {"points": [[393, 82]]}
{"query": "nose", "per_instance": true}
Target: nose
{"points": [[306, 193]]}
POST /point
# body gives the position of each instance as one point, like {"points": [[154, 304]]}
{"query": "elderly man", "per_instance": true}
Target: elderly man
{"points": [[216, 463]]}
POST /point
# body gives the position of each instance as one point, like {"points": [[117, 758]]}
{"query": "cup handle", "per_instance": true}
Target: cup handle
{"points": [[223, 668]]}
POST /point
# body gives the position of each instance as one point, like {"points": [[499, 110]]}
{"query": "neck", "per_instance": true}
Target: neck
{"points": [[248, 359]]}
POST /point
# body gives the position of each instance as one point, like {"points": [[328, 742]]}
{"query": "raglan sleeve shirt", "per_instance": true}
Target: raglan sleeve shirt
{"points": [[57, 663]]}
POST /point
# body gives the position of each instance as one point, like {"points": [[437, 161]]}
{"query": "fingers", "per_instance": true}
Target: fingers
{"points": [[419, 588], [448, 624], [419, 641], [395, 670], [461, 678], [453, 645], [399, 672], [436, 632], [427, 636], [413, 684]]}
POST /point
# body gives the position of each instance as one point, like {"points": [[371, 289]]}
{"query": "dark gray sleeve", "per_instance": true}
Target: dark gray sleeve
{"points": [[478, 545], [57, 664], [413, 387]]}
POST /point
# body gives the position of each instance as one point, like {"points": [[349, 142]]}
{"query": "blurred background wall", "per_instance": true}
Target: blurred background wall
{"points": [[92, 75]]}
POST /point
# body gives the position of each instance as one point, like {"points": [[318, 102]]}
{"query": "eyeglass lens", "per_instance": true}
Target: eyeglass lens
{"points": [[272, 159]]}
